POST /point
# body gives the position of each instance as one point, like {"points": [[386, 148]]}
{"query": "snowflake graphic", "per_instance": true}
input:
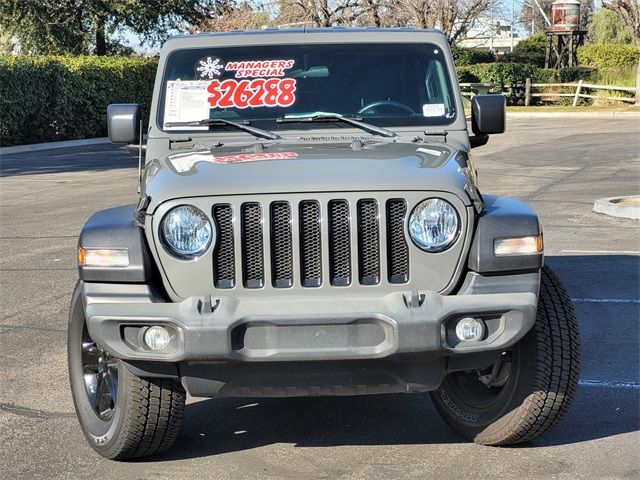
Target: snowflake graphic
{"points": [[210, 67]]}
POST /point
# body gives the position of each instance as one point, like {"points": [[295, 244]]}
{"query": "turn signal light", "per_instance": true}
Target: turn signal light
{"points": [[518, 246], [103, 257]]}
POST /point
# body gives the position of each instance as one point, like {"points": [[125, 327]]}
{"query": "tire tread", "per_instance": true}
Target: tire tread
{"points": [[557, 367], [153, 417]]}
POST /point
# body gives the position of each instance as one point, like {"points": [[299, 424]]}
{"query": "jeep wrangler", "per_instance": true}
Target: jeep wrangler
{"points": [[309, 223]]}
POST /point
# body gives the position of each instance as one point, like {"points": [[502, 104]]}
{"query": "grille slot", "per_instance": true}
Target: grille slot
{"points": [[339, 243], [397, 249], [368, 242], [252, 245], [281, 245], [310, 244], [224, 270]]}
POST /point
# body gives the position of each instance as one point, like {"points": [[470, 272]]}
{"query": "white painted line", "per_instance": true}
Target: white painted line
{"points": [[613, 252], [606, 300], [604, 384]]}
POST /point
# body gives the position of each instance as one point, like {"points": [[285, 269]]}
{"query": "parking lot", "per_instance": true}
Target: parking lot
{"points": [[559, 165]]}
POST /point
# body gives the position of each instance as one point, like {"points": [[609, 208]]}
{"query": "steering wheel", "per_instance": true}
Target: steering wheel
{"points": [[373, 107]]}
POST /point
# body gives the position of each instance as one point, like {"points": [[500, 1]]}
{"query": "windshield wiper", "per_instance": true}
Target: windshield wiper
{"points": [[219, 122], [367, 127]]}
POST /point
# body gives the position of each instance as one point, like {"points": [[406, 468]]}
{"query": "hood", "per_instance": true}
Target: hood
{"points": [[299, 168]]}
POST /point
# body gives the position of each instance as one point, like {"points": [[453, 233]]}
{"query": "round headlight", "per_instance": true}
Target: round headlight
{"points": [[185, 232], [434, 225]]}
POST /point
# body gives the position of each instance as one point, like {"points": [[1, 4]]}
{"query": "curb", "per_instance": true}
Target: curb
{"points": [[610, 206], [573, 114], [53, 145]]}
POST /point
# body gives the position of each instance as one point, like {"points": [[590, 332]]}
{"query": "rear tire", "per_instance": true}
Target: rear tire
{"points": [[533, 385], [139, 418]]}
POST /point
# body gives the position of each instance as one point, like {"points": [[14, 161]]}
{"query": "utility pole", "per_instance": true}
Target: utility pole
{"points": [[513, 9]]}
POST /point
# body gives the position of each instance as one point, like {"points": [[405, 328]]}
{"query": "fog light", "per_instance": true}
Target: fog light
{"points": [[470, 329], [157, 338]]}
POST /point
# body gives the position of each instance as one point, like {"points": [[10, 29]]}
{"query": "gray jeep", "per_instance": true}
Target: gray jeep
{"points": [[309, 223]]}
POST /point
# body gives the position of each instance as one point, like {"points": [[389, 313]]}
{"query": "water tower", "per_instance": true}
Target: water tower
{"points": [[565, 35]]}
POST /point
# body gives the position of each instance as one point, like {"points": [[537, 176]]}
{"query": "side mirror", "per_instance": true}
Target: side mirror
{"points": [[123, 122], [488, 114]]}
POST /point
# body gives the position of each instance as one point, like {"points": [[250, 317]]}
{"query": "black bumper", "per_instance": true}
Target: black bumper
{"points": [[399, 342]]}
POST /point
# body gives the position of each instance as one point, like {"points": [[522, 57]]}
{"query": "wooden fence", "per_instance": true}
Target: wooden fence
{"points": [[530, 90]]}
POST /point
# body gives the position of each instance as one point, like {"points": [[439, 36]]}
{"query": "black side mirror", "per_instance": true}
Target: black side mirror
{"points": [[488, 114], [123, 122]]}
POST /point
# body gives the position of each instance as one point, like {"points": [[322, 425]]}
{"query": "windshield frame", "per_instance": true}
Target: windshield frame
{"points": [[271, 123]]}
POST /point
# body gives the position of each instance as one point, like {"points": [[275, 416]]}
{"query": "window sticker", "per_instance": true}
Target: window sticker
{"points": [[259, 68], [433, 109], [186, 101], [258, 92], [209, 67], [257, 83]]}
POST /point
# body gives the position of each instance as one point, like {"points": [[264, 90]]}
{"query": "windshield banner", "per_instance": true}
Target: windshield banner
{"points": [[260, 84]]}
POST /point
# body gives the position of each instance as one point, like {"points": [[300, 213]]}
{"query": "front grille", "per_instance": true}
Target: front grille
{"points": [[224, 259], [339, 243], [310, 242], [252, 246], [281, 247], [368, 242], [397, 249]]}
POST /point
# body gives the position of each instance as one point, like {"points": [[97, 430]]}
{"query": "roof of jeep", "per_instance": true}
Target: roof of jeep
{"points": [[296, 35]]}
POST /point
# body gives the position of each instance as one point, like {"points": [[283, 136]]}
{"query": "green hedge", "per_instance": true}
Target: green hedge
{"points": [[471, 56], [565, 75], [52, 98], [612, 57]]}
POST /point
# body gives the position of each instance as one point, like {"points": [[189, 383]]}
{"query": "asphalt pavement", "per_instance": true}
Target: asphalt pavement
{"points": [[559, 165]]}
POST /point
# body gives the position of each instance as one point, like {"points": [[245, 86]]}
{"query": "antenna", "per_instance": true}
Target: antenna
{"points": [[140, 159]]}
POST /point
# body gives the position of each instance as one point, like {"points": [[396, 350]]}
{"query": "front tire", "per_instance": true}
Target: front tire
{"points": [[122, 415], [531, 386]]}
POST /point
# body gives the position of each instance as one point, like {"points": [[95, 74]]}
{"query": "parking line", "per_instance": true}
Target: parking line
{"points": [[606, 300], [604, 384]]}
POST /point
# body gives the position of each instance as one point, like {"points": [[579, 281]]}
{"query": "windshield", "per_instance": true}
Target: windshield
{"points": [[381, 84]]}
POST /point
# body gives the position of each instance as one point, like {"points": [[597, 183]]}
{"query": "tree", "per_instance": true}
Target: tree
{"points": [[629, 12], [529, 50], [82, 26], [607, 28], [318, 13], [230, 16], [453, 17]]}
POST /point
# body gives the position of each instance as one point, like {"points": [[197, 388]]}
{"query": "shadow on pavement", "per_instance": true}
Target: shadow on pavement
{"points": [[216, 426], [94, 158]]}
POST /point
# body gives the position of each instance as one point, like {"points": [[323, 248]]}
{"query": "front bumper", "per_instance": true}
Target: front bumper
{"points": [[310, 328]]}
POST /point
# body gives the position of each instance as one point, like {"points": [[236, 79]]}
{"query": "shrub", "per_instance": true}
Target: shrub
{"points": [[573, 74], [615, 76], [510, 77], [530, 50], [59, 98], [621, 57], [505, 74], [471, 56], [466, 75]]}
